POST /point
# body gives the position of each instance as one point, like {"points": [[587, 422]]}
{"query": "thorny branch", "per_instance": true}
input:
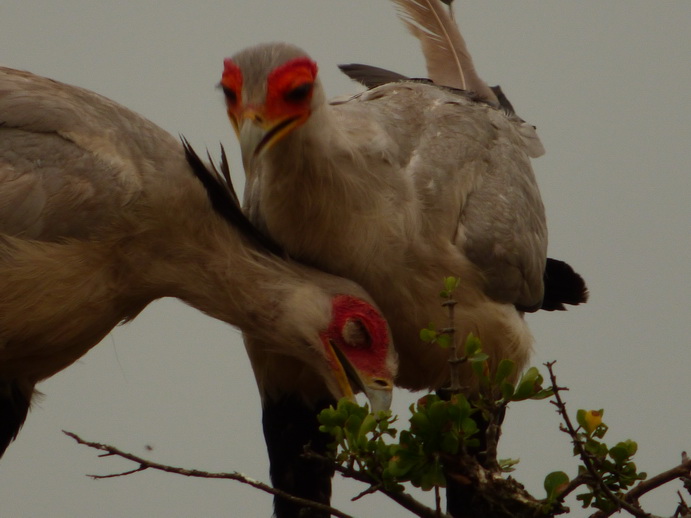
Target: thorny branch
{"points": [[678, 472], [630, 500], [585, 457], [239, 477]]}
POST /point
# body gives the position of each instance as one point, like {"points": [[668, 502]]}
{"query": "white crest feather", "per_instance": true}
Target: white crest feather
{"points": [[448, 60]]}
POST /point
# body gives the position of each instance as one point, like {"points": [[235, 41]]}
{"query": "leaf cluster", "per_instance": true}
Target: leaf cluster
{"points": [[614, 465], [440, 429]]}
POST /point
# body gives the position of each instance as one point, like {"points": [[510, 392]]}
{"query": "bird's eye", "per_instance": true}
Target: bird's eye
{"points": [[356, 335], [231, 95], [299, 93]]}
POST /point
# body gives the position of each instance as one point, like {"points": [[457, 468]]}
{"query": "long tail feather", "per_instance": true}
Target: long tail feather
{"points": [[448, 60]]}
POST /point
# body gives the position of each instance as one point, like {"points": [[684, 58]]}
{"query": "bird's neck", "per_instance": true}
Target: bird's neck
{"points": [[302, 180]]}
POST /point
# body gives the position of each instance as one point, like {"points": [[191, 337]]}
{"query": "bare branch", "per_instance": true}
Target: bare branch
{"points": [[239, 477]]}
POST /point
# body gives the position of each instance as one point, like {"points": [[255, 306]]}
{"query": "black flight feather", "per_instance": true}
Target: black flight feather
{"points": [[371, 77], [224, 199]]}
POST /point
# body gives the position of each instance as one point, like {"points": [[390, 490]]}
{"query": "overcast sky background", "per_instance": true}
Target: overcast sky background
{"points": [[606, 83]]}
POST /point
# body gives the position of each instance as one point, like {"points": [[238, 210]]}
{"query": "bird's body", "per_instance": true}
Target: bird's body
{"points": [[395, 188], [101, 213], [399, 187]]}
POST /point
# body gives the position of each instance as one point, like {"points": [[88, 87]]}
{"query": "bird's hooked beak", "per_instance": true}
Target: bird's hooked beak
{"points": [[258, 133], [377, 388]]}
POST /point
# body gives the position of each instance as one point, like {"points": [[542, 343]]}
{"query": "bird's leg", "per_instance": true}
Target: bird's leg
{"points": [[290, 426], [15, 400]]}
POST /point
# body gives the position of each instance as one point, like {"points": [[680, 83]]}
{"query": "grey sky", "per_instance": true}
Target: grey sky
{"points": [[606, 83]]}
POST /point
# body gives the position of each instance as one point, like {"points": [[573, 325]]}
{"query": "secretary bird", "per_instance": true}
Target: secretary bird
{"points": [[396, 188], [103, 212]]}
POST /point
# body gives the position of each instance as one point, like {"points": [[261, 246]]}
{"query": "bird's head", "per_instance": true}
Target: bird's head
{"points": [[359, 352], [270, 90], [350, 352]]}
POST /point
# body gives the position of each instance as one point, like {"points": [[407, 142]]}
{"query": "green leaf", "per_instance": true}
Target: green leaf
{"points": [[433, 476], [543, 394], [469, 427], [450, 285], [529, 385], [428, 334], [479, 357], [507, 465], [623, 451], [419, 423], [437, 413], [352, 426], [507, 391], [580, 418], [369, 424], [450, 443], [504, 370], [472, 344], [555, 484], [444, 340]]}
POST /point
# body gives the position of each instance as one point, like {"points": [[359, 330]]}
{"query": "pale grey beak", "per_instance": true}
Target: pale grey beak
{"points": [[379, 393]]}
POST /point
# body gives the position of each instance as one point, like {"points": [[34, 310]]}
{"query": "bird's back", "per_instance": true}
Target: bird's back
{"points": [[401, 186], [71, 159]]}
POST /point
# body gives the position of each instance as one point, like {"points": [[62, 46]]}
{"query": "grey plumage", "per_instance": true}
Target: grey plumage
{"points": [[398, 187]]}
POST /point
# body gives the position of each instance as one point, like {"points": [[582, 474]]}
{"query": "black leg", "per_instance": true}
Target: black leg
{"points": [[14, 405], [290, 425]]}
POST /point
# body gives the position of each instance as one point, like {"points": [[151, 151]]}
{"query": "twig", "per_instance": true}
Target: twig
{"points": [[401, 498], [239, 477], [574, 484], [680, 471], [683, 510], [455, 379], [585, 457]]}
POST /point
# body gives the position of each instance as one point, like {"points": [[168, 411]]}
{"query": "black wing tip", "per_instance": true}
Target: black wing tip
{"points": [[563, 286], [14, 407], [371, 76]]}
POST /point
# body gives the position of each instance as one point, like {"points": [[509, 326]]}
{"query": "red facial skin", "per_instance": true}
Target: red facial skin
{"points": [[231, 82], [289, 90], [288, 95], [371, 356]]}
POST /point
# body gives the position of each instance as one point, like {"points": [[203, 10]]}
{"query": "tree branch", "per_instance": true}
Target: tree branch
{"points": [[585, 457], [680, 471], [239, 477], [400, 497]]}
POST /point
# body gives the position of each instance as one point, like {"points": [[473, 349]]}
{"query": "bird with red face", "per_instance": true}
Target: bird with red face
{"points": [[396, 188]]}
